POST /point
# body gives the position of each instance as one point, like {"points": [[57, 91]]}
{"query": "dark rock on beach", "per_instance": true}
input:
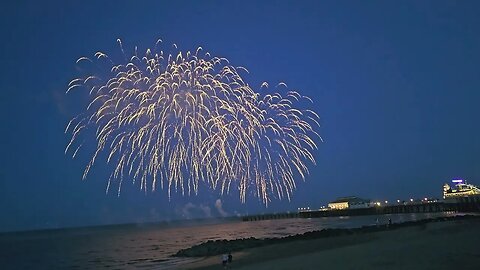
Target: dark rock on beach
{"points": [[211, 248]]}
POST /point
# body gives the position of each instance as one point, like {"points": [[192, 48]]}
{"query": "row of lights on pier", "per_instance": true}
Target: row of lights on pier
{"points": [[424, 200]]}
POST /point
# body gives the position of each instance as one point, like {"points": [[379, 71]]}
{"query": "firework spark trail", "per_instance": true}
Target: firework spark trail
{"points": [[175, 120]]}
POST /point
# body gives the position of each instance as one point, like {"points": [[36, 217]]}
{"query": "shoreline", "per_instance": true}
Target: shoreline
{"points": [[218, 247], [303, 250]]}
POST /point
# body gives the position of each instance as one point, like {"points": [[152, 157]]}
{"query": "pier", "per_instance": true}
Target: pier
{"points": [[457, 205], [271, 216]]}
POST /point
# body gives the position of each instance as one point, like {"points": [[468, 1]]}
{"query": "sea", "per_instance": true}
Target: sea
{"points": [[151, 246]]}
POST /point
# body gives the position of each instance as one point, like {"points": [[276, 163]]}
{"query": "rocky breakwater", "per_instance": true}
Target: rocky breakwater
{"points": [[211, 248]]}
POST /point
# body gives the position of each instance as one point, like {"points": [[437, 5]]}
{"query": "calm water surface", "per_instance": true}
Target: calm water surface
{"points": [[151, 246]]}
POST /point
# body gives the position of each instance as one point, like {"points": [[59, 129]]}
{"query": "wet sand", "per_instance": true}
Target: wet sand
{"points": [[437, 245]]}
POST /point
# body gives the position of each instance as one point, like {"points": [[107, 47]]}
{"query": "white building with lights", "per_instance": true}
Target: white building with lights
{"points": [[351, 202], [462, 190]]}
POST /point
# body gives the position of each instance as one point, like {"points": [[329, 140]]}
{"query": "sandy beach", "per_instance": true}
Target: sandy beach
{"points": [[436, 245]]}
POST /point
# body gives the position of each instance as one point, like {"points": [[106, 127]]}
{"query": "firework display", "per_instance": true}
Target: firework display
{"points": [[180, 120]]}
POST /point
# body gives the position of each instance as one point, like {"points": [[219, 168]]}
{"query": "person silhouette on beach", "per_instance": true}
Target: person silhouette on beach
{"points": [[230, 257], [224, 261]]}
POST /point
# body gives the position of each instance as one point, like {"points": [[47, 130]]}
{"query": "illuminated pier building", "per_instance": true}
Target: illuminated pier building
{"points": [[349, 203], [462, 190]]}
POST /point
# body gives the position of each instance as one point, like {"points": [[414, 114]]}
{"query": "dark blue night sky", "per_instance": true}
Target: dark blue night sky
{"points": [[396, 84]]}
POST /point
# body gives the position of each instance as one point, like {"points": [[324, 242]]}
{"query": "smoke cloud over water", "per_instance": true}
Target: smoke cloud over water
{"points": [[219, 207]]}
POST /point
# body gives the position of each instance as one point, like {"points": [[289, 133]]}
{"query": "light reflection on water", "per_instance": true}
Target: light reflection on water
{"points": [[151, 246]]}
